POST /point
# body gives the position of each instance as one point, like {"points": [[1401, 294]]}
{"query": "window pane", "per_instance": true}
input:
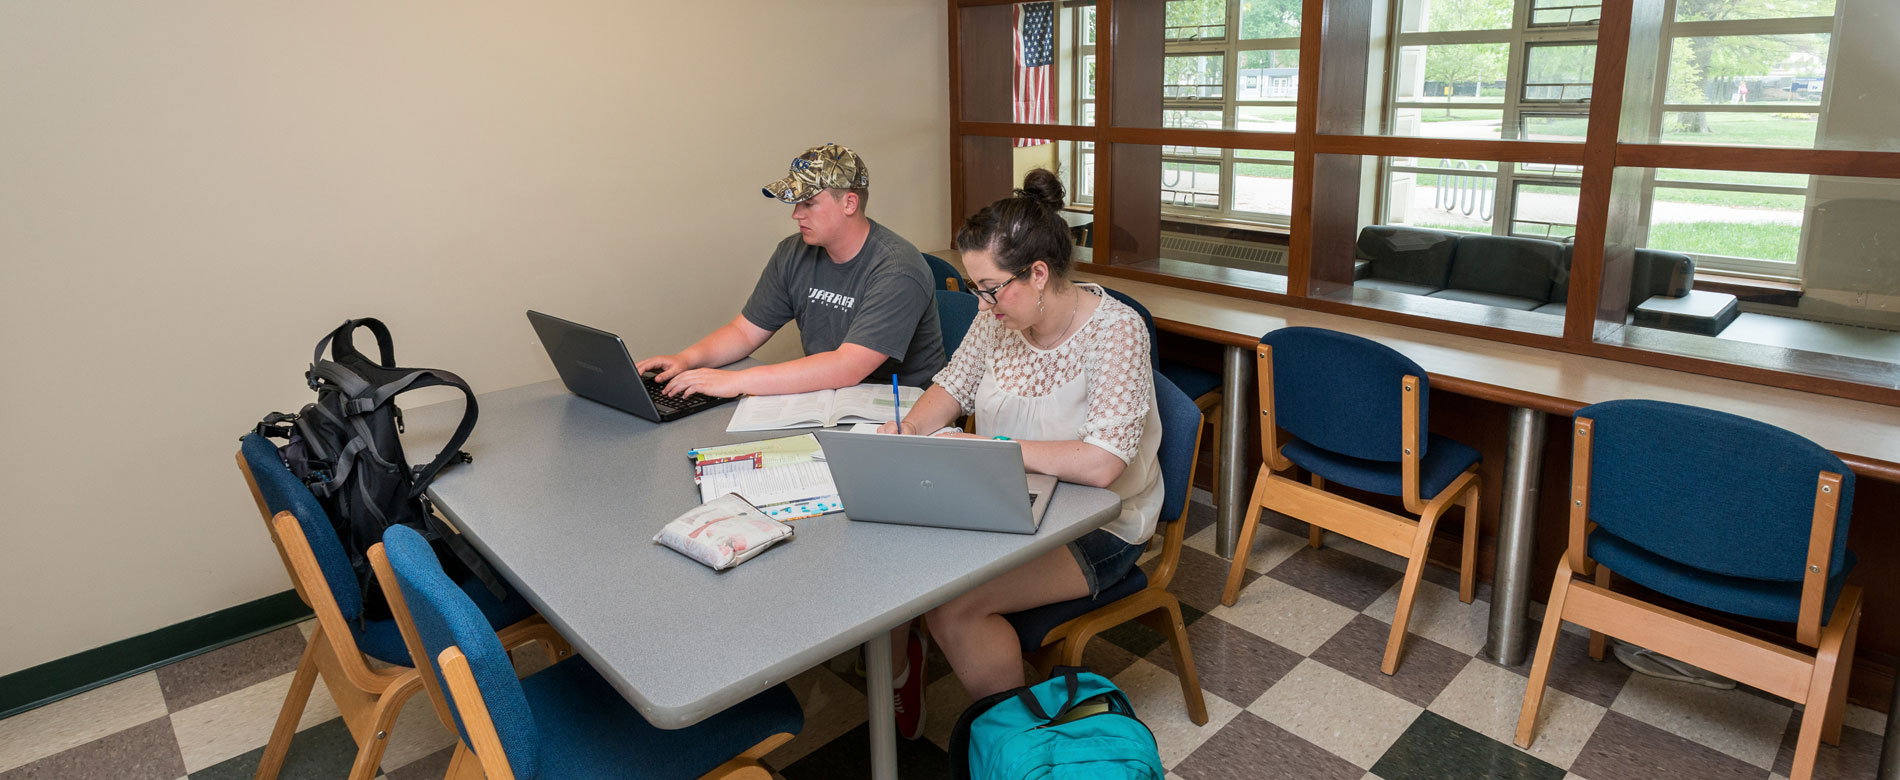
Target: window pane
{"points": [[1442, 194], [1267, 119], [1448, 122], [1193, 76], [1748, 70], [1196, 20], [1190, 184], [1544, 211], [1450, 15], [1263, 188], [1269, 19], [1721, 128], [1269, 75], [1559, 73], [1553, 13], [1166, 219], [1461, 72], [1412, 249], [1840, 236], [1751, 225], [1552, 126], [1723, 10], [1734, 177]]}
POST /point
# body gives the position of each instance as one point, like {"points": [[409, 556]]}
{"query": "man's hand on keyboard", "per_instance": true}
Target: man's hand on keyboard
{"points": [[706, 381], [663, 367]]}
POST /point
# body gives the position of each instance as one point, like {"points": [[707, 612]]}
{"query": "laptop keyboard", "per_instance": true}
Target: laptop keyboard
{"points": [[671, 405]]}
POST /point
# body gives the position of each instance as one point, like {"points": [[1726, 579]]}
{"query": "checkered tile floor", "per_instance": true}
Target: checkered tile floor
{"points": [[1290, 674]]}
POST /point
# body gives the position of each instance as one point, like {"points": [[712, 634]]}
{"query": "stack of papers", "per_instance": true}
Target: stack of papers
{"points": [[787, 478]]}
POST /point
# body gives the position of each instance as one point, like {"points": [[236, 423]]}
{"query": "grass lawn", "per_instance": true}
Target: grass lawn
{"points": [[1745, 130], [1764, 241], [1752, 200]]}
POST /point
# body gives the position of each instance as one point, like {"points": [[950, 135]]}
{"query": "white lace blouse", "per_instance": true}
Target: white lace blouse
{"points": [[1095, 387]]}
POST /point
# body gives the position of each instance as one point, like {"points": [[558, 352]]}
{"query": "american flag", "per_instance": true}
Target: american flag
{"points": [[1035, 57]]}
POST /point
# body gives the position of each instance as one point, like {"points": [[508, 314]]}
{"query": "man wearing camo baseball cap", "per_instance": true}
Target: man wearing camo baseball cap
{"points": [[862, 297]]}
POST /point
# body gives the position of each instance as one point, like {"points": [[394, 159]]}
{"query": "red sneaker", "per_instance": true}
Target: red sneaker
{"points": [[910, 695]]}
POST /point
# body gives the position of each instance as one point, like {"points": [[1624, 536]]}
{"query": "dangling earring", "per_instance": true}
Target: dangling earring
{"points": [[1039, 301]]}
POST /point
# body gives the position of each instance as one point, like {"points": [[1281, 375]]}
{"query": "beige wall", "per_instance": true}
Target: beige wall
{"points": [[192, 193]]}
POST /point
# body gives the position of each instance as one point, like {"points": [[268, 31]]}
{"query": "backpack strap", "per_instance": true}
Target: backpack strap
{"points": [[452, 449], [345, 350]]}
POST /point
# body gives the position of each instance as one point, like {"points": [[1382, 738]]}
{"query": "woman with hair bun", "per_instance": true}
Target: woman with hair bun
{"points": [[1062, 368]]}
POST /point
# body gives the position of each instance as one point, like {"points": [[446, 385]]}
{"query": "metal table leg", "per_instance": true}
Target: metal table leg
{"points": [[1507, 640], [882, 710], [1890, 747], [1234, 421]]}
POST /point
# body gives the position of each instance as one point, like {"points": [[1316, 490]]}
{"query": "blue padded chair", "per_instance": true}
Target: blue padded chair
{"points": [[1355, 410], [1718, 511], [340, 649], [955, 310], [564, 722], [1198, 383], [944, 274], [1056, 634]]}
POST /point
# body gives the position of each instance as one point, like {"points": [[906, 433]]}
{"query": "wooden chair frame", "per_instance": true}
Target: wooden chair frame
{"points": [[1817, 681], [368, 698], [1154, 606], [1325, 511], [485, 759]]}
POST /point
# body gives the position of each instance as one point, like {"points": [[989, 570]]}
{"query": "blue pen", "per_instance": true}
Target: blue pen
{"points": [[897, 405]]}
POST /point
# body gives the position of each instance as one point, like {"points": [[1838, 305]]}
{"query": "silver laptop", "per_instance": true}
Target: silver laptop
{"points": [[595, 365], [975, 484]]}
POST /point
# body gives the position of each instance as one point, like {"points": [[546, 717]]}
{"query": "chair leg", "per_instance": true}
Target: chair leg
{"points": [[1831, 662], [1837, 699], [1408, 591], [1244, 545], [1315, 535], [299, 695], [463, 765], [1168, 621], [1598, 642], [1468, 561], [369, 753], [1540, 661]]}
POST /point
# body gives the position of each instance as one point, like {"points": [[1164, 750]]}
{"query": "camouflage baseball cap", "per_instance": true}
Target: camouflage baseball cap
{"points": [[822, 167]]}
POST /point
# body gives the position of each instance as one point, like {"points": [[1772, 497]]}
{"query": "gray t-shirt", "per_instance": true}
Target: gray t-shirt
{"points": [[881, 300]]}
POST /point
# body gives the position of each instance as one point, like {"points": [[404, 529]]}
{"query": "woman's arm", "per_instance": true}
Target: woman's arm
{"points": [[932, 411], [1073, 461]]}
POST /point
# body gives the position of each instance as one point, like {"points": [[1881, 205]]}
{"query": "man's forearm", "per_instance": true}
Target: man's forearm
{"points": [[718, 348], [823, 371]]}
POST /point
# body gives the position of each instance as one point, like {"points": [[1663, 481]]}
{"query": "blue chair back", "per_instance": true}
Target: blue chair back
{"points": [[283, 492], [943, 273], [955, 311], [1709, 489], [1154, 349], [444, 617], [1180, 431], [1341, 393]]}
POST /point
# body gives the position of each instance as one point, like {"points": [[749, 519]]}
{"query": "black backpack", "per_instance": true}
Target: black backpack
{"points": [[345, 448]]}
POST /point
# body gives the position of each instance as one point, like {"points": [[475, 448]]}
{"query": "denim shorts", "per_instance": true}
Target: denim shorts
{"points": [[1105, 559]]}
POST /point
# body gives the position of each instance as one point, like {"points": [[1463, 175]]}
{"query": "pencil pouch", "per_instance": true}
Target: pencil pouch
{"points": [[722, 533]]}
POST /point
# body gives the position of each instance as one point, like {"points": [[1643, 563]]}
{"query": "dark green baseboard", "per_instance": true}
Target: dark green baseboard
{"points": [[54, 680]]}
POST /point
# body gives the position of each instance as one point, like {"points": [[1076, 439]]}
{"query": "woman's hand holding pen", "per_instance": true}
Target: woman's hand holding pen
{"points": [[904, 428]]}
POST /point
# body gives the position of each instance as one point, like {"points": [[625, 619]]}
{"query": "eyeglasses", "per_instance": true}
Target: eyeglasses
{"points": [[989, 296]]}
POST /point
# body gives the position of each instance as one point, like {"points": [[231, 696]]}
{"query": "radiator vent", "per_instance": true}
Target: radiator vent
{"points": [[1223, 251]]}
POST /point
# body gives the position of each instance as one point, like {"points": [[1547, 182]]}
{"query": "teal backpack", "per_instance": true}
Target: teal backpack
{"points": [[1076, 724]]}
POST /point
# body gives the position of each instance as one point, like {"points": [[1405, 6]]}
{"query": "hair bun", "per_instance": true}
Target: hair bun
{"points": [[1043, 187]]}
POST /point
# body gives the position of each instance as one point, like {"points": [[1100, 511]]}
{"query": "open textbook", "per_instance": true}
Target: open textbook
{"points": [[826, 408]]}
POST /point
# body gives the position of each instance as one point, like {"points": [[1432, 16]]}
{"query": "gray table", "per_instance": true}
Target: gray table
{"points": [[564, 497]]}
